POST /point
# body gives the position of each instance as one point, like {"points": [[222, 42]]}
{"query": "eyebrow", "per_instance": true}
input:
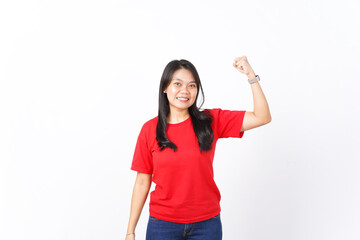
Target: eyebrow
{"points": [[182, 80]]}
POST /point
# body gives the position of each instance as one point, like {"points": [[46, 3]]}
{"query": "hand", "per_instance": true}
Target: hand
{"points": [[130, 237], [242, 64]]}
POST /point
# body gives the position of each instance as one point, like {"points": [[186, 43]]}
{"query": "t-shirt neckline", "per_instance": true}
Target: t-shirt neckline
{"points": [[180, 123]]}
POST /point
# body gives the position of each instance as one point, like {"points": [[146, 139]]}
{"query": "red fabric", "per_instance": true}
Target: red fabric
{"points": [[185, 189]]}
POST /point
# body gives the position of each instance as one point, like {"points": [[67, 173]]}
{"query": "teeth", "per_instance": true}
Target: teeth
{"points": [[183, 98]]}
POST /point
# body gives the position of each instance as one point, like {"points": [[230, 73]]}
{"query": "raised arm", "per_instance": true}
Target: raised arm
{"points": [[261, 114], [141, 189]]}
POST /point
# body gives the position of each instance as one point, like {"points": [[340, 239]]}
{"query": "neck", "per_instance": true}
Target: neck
{"points": [[177, 116]]}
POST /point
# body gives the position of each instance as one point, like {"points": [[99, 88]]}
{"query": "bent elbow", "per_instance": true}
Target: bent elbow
{"points": [[267, 120]]}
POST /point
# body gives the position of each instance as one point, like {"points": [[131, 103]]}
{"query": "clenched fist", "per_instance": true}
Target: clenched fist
{"points": [[242, 64]]}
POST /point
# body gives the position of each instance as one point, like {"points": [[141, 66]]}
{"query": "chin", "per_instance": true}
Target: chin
{"points": [[183, 107]]}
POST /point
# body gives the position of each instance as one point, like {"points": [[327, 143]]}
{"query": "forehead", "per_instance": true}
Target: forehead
{"points": [[183, 75]]}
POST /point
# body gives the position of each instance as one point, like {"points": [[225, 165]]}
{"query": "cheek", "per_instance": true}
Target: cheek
{"points": [[171, 94], [194, 92], [172, 89]]}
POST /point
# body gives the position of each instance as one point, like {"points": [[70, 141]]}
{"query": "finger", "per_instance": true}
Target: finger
{"points": [[237, 61]]}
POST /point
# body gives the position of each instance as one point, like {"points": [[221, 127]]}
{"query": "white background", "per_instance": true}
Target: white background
{"points": [[79, 78]]}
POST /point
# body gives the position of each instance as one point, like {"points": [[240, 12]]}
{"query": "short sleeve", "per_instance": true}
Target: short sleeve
{"points": [[228, 122], [142, 159]]}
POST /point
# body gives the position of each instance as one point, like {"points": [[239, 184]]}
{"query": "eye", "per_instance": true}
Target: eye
{"points": [[193, 85], [177, 83]]}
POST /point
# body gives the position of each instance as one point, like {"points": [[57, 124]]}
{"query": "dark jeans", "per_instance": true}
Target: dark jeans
{"points": [[210, 229]]}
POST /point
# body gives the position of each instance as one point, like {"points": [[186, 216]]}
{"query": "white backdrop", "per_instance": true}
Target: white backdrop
{"points": [[79, 78]]}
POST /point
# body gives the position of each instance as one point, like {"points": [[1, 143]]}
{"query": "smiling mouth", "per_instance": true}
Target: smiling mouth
{"points": [[182, 99]]}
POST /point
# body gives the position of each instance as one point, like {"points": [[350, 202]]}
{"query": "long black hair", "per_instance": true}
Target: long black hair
{"points": [[201, 120]]}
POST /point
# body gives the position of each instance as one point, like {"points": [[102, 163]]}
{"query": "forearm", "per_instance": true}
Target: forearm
{"points": [[261, 107], [138, 199]]}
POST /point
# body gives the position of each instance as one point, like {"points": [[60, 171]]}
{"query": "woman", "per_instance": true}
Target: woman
{"points": [[175, 150]]}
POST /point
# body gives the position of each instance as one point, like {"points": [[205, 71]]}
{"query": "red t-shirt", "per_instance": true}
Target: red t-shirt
{"points": [[185, 189]]}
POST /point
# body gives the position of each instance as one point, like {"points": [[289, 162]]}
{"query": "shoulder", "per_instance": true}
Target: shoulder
{"points": [[150, 124], [213, 112], [147, 134], [148, 129], [224, 115]]}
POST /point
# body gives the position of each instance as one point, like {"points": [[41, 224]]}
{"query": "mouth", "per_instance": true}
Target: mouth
{"points": [[182, 99]]}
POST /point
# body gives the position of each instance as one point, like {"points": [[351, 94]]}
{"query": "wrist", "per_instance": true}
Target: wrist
{"points": [[130, 229], [251, 75]]}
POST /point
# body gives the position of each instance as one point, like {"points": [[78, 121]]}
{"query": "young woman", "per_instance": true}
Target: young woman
{"points": [[175, 150]]}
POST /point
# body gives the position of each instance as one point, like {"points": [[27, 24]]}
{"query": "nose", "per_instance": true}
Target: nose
{"points": [[184, 88]]}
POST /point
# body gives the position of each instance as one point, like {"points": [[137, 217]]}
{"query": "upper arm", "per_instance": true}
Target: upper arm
{"points": [[251, 121], [143, 179]]}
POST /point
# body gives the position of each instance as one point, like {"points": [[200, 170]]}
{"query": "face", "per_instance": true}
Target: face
{"points": [[181, 91]]}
